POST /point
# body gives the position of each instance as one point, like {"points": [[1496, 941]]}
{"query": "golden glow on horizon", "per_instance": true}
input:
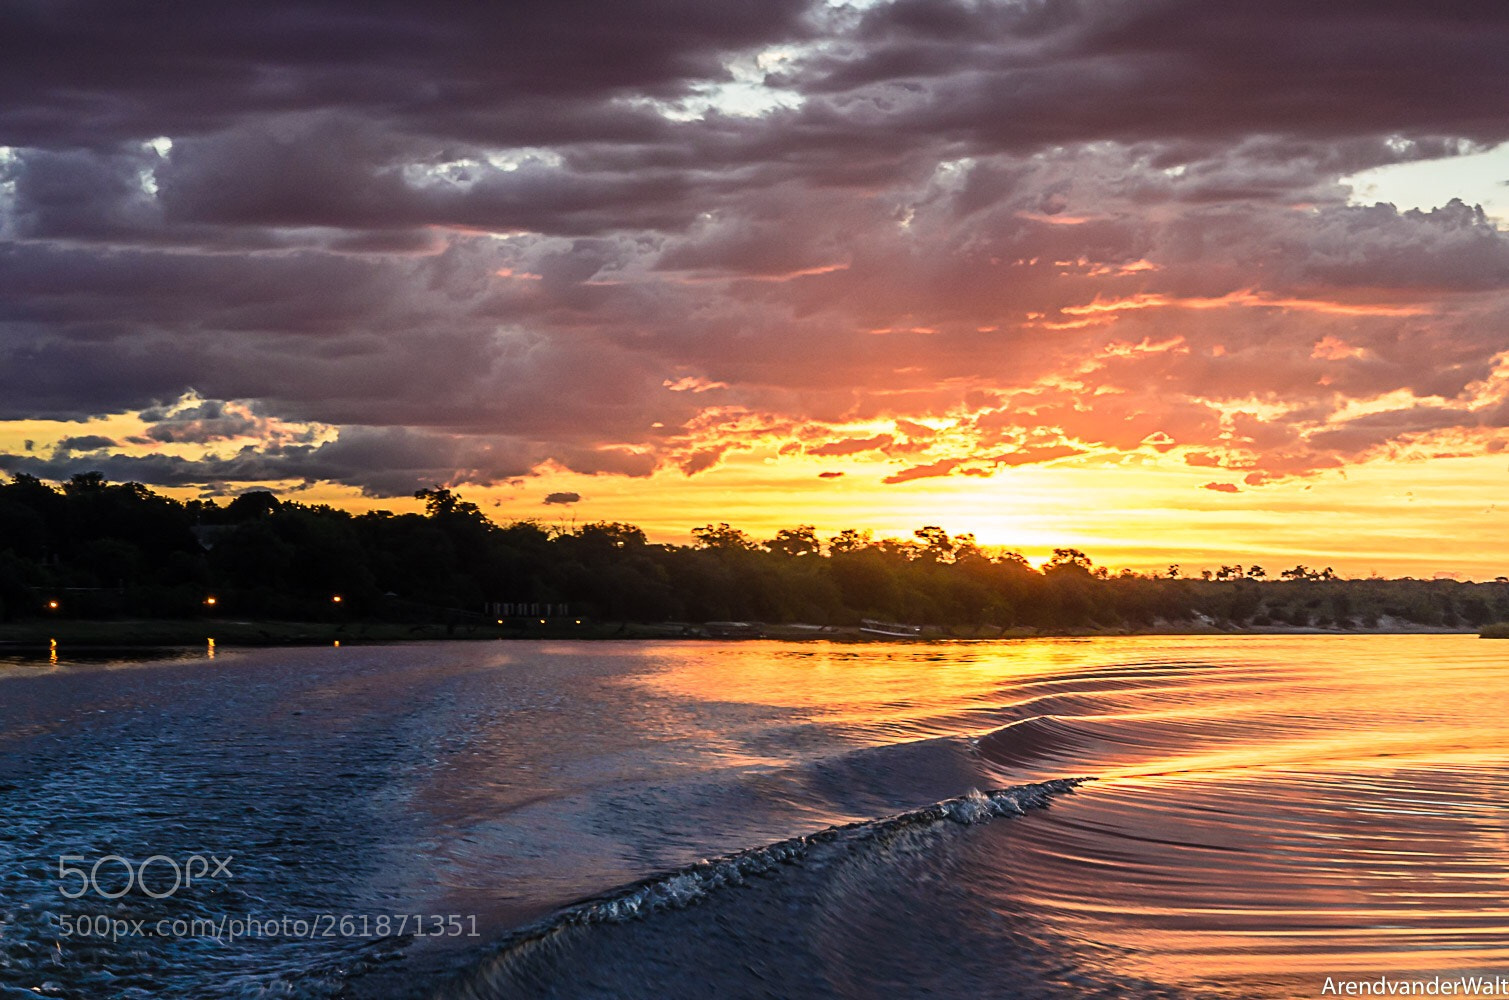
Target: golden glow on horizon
{"points": [[1390, 517], [1405, 516], [1418, 509]]}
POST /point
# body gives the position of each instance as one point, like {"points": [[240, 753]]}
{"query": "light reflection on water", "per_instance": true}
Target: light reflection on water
{"points": [[1270, 810]]}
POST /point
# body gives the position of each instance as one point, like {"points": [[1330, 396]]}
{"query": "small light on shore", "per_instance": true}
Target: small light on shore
{"points": [[542, 621], [336, 599], [211, 601], [52, 605], [500, 621]]}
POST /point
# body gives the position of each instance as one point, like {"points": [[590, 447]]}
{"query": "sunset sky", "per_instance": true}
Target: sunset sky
{"points": [[1165, 280]]}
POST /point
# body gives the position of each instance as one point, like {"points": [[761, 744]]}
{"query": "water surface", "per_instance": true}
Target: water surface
{"points": [[1267, 812]]}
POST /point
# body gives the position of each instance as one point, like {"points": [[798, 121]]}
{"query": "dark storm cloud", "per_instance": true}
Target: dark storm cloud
{"points": [[469, 238], [310, 115], [85, 442], [92, 71], [82, 194], [1018, 75], [317, 335], [324, 172], [382, 462], [202, 423]]}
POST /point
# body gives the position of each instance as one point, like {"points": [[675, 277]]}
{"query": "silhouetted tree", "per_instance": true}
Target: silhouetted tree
{"points": [[798, 541], [123, 549], [721, 536], [849, 540]]}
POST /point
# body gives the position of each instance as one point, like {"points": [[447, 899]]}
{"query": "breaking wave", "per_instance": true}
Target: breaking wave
{"points": [[686, 886]]}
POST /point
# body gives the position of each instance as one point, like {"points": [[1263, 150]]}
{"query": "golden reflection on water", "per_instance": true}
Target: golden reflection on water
{"points": [[1271, 810], [1178, 704], [912, 686]]}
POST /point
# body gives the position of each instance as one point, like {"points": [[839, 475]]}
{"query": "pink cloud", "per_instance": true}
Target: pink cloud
{"points": [[942, 467]]}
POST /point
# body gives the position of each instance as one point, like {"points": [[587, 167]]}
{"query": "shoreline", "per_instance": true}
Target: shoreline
{"points": [[130, 634]]}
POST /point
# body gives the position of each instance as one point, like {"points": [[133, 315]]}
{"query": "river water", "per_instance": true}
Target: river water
{"points": [[753, 819]]}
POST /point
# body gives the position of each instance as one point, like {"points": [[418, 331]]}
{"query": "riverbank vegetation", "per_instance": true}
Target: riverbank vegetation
{"points": [[90, 549]]}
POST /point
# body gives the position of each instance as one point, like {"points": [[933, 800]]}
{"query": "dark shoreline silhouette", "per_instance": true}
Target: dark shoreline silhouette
{"points": [[93, 551]]}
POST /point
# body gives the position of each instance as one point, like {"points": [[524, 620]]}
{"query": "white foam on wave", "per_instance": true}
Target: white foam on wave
{"points": [[684, 887]]}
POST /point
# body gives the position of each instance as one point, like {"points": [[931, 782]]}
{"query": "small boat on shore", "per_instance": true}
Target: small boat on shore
{"points": [[893, 630], [735, 630]]}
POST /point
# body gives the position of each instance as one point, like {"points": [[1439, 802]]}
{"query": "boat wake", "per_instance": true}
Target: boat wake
{"points": [[518, 966]]}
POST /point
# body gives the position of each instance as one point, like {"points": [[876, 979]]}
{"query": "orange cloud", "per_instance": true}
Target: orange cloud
{"points": [[1242, 299]]}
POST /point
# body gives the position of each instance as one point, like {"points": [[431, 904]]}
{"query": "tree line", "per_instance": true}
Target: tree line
{"points": [[91, 548]]}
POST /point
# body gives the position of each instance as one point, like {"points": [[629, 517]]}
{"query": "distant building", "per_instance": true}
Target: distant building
{"points": [[528, 609]]}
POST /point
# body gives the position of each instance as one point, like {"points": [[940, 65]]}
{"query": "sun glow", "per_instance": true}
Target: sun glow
{"points": [[1398, 514]]}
